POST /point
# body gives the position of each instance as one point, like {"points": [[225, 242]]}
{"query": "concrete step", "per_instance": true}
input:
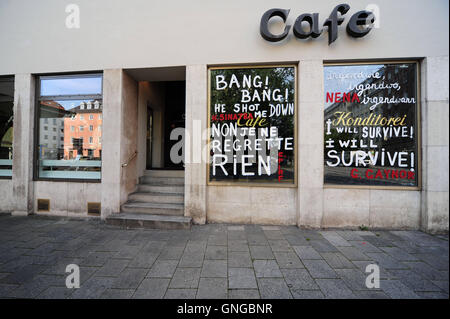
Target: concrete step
{"points": [[154, 197], [153, 208], [174, 189], [152, 180], [164, 173], [137, 220]]}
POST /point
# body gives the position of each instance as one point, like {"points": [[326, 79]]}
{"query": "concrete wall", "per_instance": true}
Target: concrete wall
{"points": [[128, 137], [66, 198], [435, 142], [6, 197]]}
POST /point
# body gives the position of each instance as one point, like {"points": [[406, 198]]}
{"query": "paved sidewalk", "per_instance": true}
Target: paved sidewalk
{"points": [[216, 261]]}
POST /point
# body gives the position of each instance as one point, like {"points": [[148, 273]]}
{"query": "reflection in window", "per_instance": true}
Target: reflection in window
{"points": [[76, 154], [6, 125], [370, 125]]}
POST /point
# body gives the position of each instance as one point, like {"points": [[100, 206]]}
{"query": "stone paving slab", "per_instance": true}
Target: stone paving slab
{"points": [[216, 261]]}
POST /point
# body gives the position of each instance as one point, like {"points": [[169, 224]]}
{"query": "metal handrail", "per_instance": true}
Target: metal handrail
{"points": [[129, 159]]}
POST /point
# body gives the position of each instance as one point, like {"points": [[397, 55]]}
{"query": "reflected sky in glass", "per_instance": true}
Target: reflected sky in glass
{"points": [[71, 86], [342, 84]]}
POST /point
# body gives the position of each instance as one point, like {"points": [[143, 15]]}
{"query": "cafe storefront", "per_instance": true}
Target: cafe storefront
{"points": [[319, 115]]}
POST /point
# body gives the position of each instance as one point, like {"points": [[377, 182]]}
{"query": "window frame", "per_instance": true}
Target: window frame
{"points": [[296, 124], [38, 98], [418, 113]]}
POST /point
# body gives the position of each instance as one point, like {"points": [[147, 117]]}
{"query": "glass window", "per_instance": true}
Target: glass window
{"points": [[91, 127], [6, 125], [72, 85], [371, 132], [64, 100], [252, 125]]}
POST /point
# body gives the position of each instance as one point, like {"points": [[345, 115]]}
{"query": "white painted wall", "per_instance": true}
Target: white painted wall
{"points": [[143, 33]]}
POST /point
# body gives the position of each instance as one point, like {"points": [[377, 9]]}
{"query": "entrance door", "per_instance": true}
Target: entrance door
{"points": [[149, 136], [174, 118]]}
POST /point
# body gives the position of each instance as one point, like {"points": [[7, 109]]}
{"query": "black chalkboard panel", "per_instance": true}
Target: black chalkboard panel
{"points": [[252, 118], [371, 132]]}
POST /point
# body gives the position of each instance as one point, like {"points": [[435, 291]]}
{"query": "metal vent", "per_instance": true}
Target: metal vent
{"points": [[43, 205], [94, 208]]}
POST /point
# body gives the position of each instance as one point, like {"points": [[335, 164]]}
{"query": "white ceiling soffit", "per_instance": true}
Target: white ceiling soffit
{"points": [[175, 73]]}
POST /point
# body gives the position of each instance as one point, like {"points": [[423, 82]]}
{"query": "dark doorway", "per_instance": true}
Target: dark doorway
{"points": [[174, 117], [149, 138]]}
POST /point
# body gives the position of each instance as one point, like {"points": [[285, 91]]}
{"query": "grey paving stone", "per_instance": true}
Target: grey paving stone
{"points": [[117, 294], [370, 294], [353, 253], [257, 240], [261, 252], [243, 294], [180, 293], [56, 293], [112, 267], [238, 245], [280, 245], [426, 271], [335, 289], [214, 269], [414, 280], [437, 262], [151, 288], [384, 273], [306, 252], [266, 268], [216, 252], [212, 288], [365, 246], [130, 278], [335, 239], [32, 288], [377, 241], [273, 288], [218, 240], [93, 288], [23, 274], [355, 279], [397, 290], [399, 254], [273, 234], [236, 235], [288, 260], [337, 260], [241, 278], [432, 295], [172, 253], [6, 289], [239, 259], [349, 235], [323, 246], [386, 261], [128, 252], [444, 285], [307, 294], [319, 269], [299, 279], [192, 259], [96, 259], [185, 278], [163, 268]]}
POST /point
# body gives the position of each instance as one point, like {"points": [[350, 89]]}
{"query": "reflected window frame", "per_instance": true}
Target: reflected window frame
{"points": [[62, 97]]}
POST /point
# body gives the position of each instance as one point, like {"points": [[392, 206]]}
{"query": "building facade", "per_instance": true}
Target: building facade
{"points": [[227, 111]]}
